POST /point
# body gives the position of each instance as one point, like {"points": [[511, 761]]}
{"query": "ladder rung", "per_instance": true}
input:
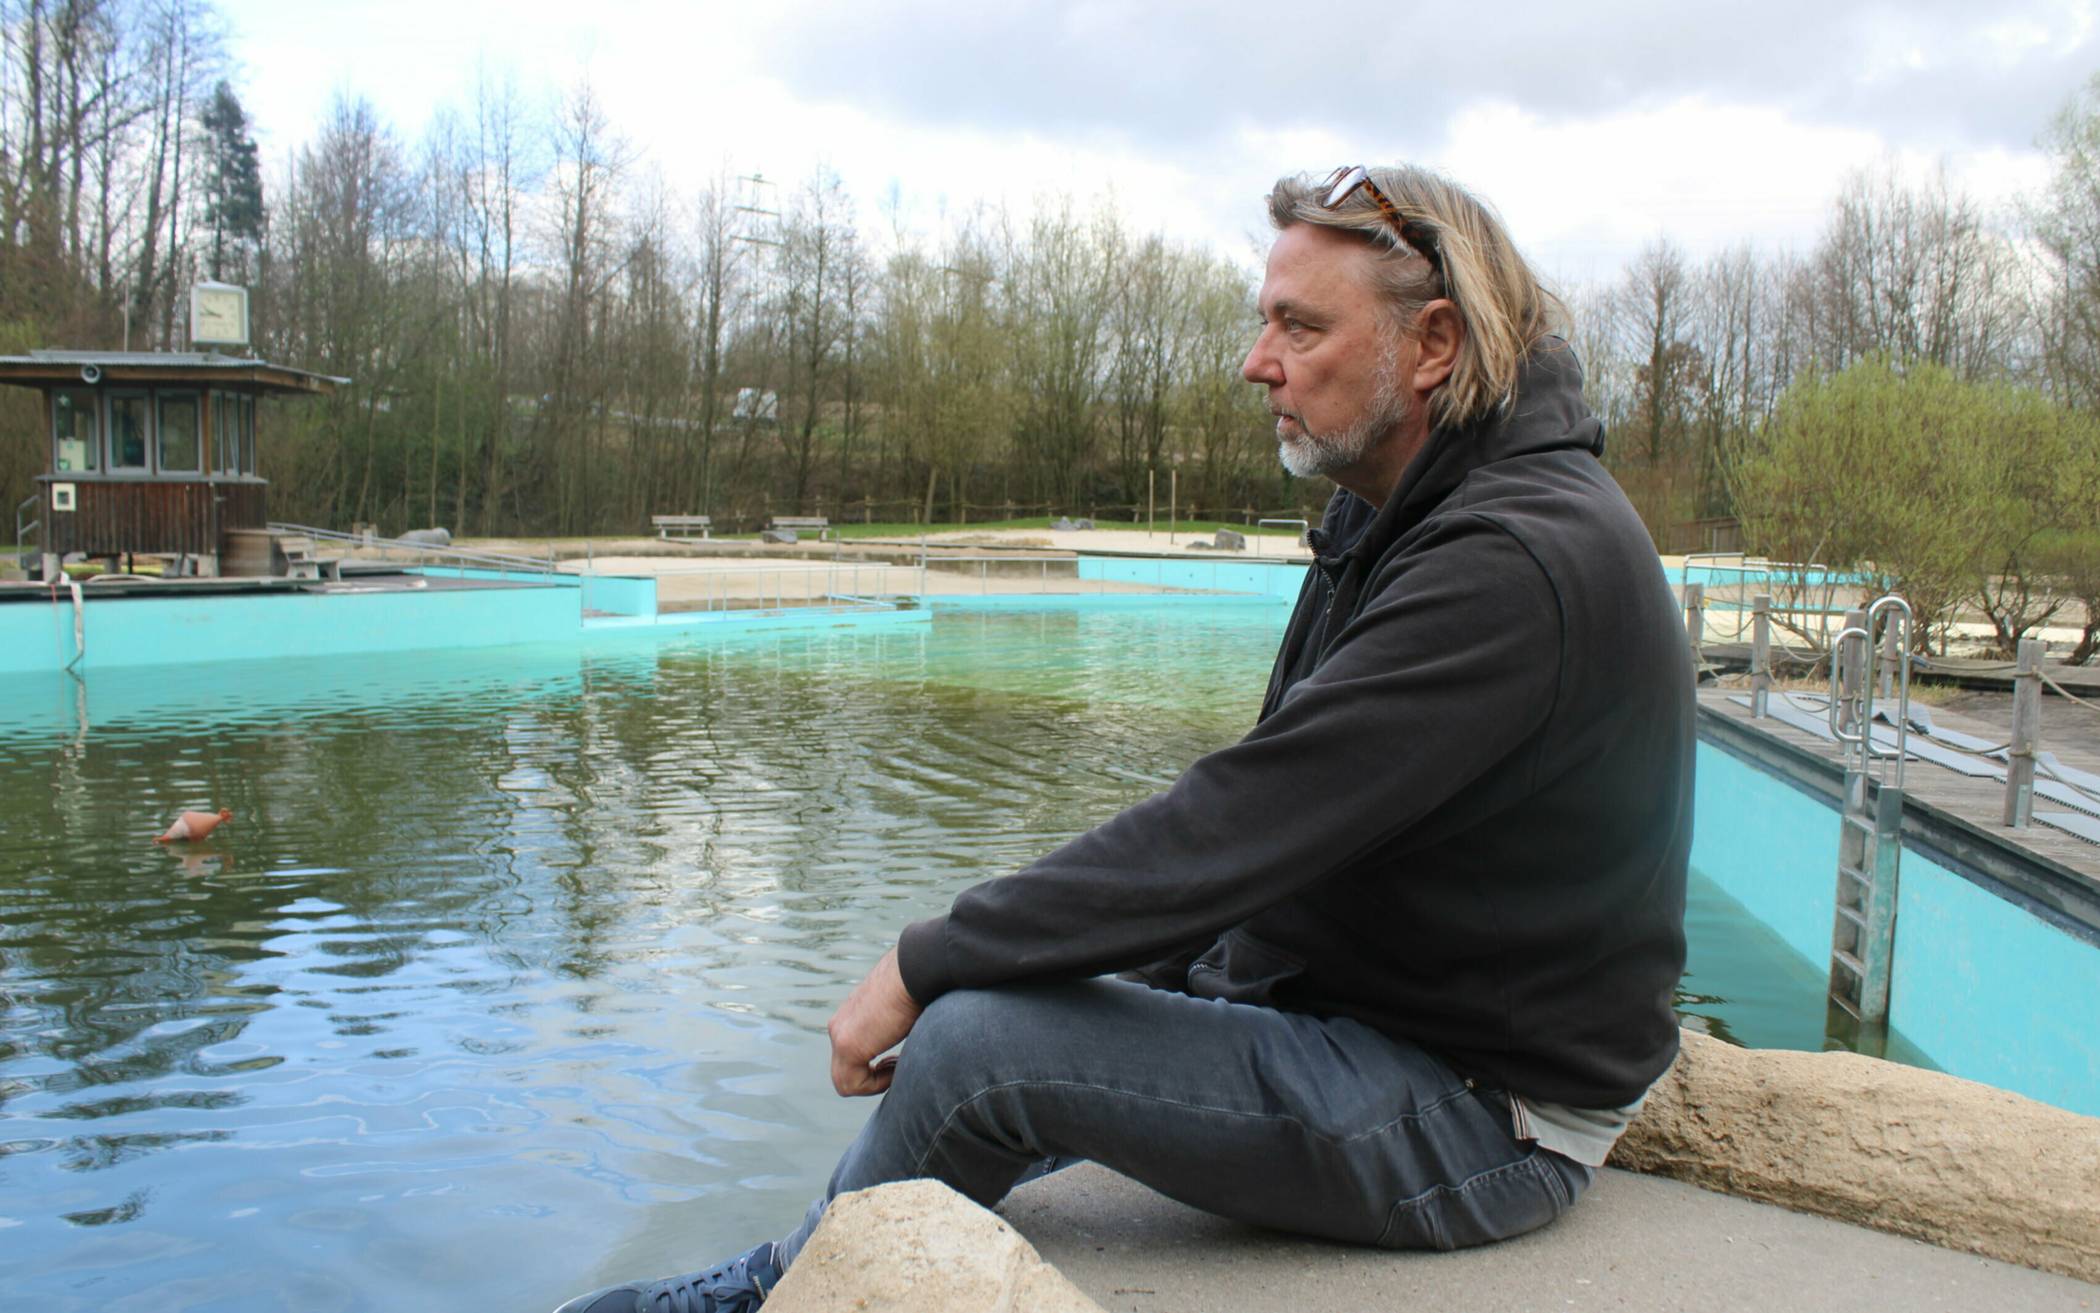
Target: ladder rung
{"points": [[1849, 962], [1864, 824], [1856, 873], [1852, 915], [1846, 1004]]}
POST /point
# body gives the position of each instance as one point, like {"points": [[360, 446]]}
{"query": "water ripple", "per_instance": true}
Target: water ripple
{"points": [[512, 960]]}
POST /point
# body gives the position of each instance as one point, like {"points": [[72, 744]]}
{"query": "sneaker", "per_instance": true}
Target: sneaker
{"points": [[738, 1286]]}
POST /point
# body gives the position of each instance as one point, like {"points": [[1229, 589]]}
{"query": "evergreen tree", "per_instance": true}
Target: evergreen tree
{"points": [[233, 204]]}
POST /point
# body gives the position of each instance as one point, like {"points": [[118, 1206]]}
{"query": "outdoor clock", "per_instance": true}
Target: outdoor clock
{"points": [[218, 315]]}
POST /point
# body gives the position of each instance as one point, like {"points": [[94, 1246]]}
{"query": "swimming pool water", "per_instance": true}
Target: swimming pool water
{"points": [[511, 972]]}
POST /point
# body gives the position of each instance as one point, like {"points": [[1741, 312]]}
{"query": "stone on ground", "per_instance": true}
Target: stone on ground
{"points": [[1916, 1152], [919, 1247]]}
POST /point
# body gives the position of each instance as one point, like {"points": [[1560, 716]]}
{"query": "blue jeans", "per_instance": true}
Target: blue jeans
{"points": [[1277, 1119]]}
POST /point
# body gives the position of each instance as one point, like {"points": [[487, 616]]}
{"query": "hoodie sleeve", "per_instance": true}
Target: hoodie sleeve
{"points": [[1450, 669]]}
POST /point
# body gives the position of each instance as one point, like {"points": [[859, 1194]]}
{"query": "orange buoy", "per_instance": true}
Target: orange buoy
{"points": [[194, 825]]}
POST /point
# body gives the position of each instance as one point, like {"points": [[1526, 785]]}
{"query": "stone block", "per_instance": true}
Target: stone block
{"points": [[1919, 1153], [1229, 540], [777, 536], [919, 1247]]}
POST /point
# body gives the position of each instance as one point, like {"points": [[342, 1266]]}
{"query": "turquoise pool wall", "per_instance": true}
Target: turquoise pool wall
{"points": [[1770, 846], [1993, 992], [996, 601], [619, 595], [1983, 987], [1279, 580], [151, 631]]}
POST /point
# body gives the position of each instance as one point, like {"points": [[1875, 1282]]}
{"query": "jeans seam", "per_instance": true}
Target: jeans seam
{"points": [[1529, 1165], [1412, 1115], [1553, 1178]]}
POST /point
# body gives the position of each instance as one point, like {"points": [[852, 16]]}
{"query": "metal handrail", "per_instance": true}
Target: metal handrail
{"points": [[1303, 526], [21, 528], [491, 560], [1861, 708]]}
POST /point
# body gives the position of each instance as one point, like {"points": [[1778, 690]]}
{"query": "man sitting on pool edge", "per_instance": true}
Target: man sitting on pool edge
{"points": [[1397, 966]]}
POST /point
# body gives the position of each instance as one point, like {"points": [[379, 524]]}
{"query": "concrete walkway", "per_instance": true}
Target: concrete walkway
{"points": [[1634, 1242]]}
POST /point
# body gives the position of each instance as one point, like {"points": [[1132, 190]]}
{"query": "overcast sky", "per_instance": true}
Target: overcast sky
{"points": [[1594, 128]]}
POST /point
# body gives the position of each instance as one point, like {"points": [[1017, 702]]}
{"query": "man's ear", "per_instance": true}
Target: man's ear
{"points": [[1439, 332]]}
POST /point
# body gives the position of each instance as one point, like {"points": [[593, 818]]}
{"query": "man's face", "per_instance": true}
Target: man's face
{"points": [[1333, 370]]}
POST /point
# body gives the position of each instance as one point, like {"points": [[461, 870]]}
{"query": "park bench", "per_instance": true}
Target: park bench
{"points": [[818, 524], [684, 524]]}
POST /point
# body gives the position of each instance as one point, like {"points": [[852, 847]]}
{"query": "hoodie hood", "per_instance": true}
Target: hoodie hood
{"points": [[1544, 413]]}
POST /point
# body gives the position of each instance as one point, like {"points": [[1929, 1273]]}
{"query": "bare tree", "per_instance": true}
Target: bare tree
{"points": [[2067, 220], [589, 158], [817, 249]]}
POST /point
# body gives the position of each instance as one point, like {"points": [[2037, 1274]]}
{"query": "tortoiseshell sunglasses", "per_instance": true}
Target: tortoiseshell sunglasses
{"points": [[1414, 234]]}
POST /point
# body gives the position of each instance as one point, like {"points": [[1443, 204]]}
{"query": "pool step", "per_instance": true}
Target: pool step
{"points": [[1862, 937]]}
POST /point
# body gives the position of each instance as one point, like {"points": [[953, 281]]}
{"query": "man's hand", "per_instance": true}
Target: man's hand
{"points": [[874, 1019]]}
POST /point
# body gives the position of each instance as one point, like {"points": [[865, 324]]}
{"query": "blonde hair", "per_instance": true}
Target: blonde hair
{"points": [[1506, 311]]}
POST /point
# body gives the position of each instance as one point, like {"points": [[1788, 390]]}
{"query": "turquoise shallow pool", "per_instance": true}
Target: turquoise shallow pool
{"points": [[511, 972]]}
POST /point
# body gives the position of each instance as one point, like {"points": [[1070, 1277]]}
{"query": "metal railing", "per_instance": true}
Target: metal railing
{"points": [[23, 528], [425, 553], [1861, 649], [1303, 526]]}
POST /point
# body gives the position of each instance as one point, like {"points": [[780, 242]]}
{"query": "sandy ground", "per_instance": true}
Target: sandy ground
{"points": [[691, 585], [1131, 541], [1137, 541]]}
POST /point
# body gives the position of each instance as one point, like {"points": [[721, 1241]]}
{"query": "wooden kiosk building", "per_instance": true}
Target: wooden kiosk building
{"points": [[152, 452]]}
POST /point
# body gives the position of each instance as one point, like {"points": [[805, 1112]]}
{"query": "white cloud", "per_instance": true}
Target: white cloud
{"points": [[1594, 133]]}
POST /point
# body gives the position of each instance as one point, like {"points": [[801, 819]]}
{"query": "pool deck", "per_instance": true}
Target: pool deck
{"points": [[1634, 1242], [1965, 812]]}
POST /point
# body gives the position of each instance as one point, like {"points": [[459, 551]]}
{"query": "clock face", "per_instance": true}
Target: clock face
{"points": [[219, 315]]}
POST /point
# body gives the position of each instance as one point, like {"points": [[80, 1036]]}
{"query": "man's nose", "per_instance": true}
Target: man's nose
{"points": [[1260, 366]]}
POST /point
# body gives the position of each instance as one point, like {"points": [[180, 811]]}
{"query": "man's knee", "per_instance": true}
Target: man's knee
{"points": [[952, 1036], [970, 1039]]}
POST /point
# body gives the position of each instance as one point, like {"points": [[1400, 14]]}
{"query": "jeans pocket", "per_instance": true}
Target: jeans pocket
{"points": [[1495, 1205]]}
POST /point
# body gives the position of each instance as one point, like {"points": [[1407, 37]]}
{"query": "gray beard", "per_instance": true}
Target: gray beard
{"points": [[1312, 453]]}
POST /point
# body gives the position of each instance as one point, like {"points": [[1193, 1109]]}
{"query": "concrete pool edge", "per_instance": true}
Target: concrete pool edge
{"points": [[1915, 1190]]}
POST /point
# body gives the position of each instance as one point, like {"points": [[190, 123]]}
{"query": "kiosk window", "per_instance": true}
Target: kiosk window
{"points": [[225, 434], [178, 433], [233, 433], [76, 439], [129, 422]]}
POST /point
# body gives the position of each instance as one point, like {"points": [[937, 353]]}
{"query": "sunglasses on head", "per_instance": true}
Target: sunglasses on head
{"points": [[1416, 235]]}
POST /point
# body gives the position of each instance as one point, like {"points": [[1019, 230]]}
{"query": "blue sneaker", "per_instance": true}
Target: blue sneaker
{"points": [[738, 1286]]}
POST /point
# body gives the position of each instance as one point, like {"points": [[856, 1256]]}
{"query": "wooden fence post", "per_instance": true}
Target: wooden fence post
{"points": [[1760, 655], [2026, 735]]}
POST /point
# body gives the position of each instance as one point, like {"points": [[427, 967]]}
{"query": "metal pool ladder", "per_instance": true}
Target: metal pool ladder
{"points": [[1863, 935]]}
